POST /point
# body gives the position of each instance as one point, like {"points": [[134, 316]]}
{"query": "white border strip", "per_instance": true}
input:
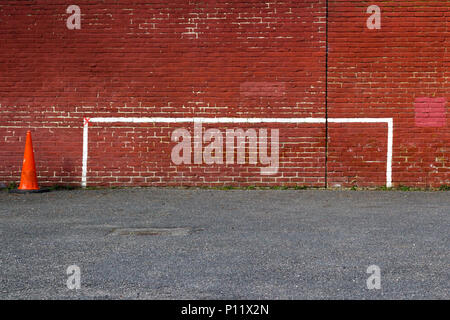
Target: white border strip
{"points": [[209, 120], [85, 151], [389, 122]]}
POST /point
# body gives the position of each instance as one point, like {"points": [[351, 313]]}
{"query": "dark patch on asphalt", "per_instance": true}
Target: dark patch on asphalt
{"points": [[152, 231]]}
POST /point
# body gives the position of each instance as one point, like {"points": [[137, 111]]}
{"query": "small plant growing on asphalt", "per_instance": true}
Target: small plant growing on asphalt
{"points": [[12, 185]]}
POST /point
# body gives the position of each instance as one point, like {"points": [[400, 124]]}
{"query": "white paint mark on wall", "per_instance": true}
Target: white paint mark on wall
{"points": [[85, 151]]}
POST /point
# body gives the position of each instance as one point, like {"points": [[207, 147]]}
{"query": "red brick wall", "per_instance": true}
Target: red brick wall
{"points": [[239, 59]]}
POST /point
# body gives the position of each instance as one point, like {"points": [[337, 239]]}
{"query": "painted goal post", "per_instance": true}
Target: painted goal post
{"points": [[388, 121]]}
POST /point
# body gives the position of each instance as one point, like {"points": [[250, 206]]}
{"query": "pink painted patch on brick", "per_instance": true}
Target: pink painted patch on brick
{"points": [[430, 112], [263, 89]]}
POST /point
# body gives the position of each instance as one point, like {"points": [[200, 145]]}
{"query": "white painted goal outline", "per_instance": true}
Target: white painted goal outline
{"points": [[389, 122]]}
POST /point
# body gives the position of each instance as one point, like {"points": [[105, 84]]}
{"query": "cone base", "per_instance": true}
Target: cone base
{"points": [[29, 191]]}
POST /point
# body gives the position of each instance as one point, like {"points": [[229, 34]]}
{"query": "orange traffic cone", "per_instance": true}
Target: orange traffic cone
{"points": [[28, 179]]}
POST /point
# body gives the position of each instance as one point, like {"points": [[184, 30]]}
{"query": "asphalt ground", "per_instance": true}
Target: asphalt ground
{"points": [[169, 243]]}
